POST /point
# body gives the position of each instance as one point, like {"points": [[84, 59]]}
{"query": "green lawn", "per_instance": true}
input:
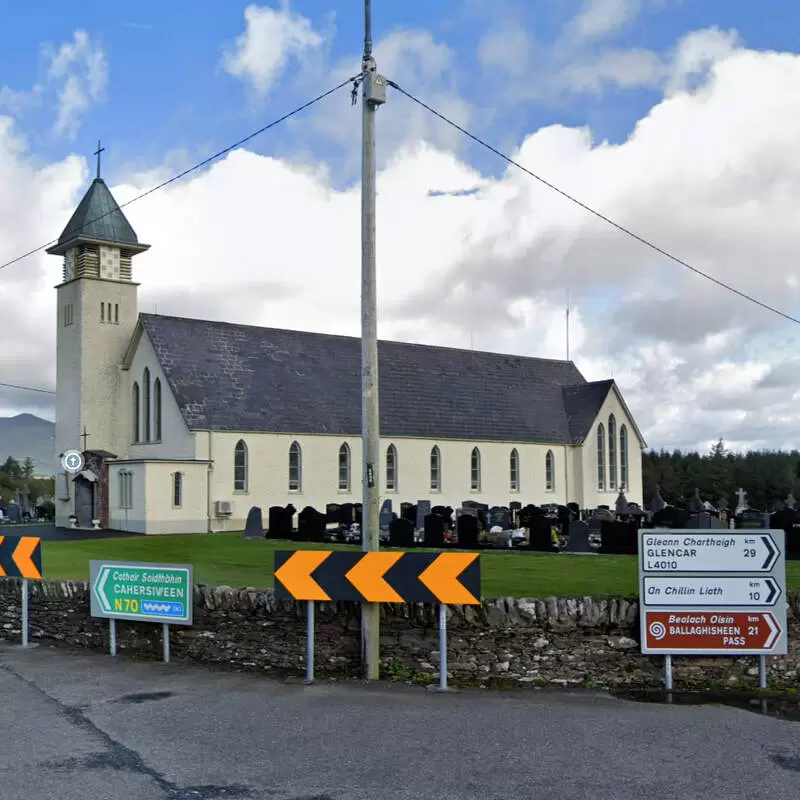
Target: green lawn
{"points": [[227, 559]]}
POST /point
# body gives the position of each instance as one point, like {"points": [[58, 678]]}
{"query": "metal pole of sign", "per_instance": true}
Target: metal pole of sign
{"points": [[112, 636], [762, 672], [166, 643], [668, 672], [24, 612], [310, 642], [442, 647]]}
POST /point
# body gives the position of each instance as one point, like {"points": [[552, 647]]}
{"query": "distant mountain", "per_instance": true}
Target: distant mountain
{"points": [[27, 435]]}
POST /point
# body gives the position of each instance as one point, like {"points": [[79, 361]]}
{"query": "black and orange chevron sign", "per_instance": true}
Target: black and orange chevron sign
{"points": [[378, 577], [21, 557]]}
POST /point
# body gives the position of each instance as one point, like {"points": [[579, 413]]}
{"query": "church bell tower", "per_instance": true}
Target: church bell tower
{"points": [[97, 314]]}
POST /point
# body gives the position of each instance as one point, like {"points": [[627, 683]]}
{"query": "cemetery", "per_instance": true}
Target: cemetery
{"points": [[545, 529]]}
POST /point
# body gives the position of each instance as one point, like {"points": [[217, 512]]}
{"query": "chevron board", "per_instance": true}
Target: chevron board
{"points": [[378, 577], [21, 557]]}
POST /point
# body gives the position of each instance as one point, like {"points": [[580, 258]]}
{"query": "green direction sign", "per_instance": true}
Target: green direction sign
{"points": [[142, 591]]}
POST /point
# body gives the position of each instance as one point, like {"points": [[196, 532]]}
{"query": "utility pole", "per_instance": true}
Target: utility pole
{"points": [[373, 95]]}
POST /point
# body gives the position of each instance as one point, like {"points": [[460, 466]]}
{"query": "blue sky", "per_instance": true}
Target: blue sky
{"points": [[712, 175], [166, 90]]}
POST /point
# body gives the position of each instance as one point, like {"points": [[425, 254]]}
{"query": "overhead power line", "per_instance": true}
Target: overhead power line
{"points": [[25, 388], [601, 216], [197, 166]]}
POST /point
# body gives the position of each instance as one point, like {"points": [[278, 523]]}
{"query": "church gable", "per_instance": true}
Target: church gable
{"points": [[246, 378]]}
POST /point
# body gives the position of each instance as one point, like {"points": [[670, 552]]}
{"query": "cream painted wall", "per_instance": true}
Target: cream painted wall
{"points": [[89, 352], [592, 496], [268, 472], [177, 441], [153, 509], [127, 519]]}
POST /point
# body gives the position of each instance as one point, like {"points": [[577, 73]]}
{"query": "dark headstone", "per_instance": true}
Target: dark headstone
{"points": [[280, 523], [751, 519], [14, 512], [578, 541], [434, 531], [657, 503], [467, 528], [386, 515], [619, 538], [311, 525], [696, 505], [541, 535], [401, 533], [622, 504], [423, 509], [497, 515], [254, 527], [671, 517]]}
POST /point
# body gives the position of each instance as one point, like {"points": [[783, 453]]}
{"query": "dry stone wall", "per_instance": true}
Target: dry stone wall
{"points": [[555, 641]]}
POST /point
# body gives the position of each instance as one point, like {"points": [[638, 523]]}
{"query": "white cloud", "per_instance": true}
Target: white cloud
{"points": [[271, 39], [599, 18], [711, 174], [80, 68], [509, 48]]}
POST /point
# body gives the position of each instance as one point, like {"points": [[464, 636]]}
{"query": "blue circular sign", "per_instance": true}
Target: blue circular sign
{"points": [[72, 461]]}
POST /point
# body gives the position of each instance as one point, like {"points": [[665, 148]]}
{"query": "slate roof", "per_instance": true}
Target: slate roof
{"points": [[229, 377], [98, 217], [582, 404]]}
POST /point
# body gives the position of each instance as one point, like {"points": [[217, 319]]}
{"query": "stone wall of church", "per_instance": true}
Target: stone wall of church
{"points": [[516, 642]]}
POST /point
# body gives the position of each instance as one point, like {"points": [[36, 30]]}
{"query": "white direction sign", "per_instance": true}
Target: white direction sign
{"points": [[696, 551], [713, 592]]}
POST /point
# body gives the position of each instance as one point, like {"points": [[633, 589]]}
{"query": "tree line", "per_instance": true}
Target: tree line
{"points": [[19, 475], [767, 476]]}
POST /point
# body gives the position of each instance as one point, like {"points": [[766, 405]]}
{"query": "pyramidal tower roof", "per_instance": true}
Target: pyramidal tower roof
{"points": [[98, 218]]}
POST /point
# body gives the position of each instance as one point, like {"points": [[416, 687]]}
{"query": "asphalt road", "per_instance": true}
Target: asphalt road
{"points": [[86, 726]]}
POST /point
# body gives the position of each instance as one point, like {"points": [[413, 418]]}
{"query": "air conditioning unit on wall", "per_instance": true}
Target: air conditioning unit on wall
{"points": [[223, 508]]}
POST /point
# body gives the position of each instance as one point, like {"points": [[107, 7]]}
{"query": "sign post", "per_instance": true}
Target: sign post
{"points": [[378, 577], [21, 557], [141, 592], [712, 593]]}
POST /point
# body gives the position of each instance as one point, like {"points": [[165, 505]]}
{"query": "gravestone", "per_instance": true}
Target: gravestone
{"points": [[705, 520], [311, 525], [386, 516], [578, 540], [14, 512], [790, 501], [280, 523], [401, 533], [423, 510], [621, 506], [497, 515], [434, 531], [540, 536], [671, 517], [696, 504], [657, 503], [619, 538], [741, 501], [751, 519], [347, 514], [467, 528], [446, 513], [254, 527], [408, 511]]}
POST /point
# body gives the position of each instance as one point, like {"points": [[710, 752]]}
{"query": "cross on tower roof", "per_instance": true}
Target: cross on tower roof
{"points": [[97, 153], [84, 436]]}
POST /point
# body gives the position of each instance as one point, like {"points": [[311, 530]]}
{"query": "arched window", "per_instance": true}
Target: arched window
{"points": [[391, 468], [612, 452], [550, 472], [513, 466], [436, 470], [623, 458], [475, 470], [177, 490], [137, 416], [295, 468], [344, 468], [601, 457], [146, 403], [157, 408], [240, 467]]}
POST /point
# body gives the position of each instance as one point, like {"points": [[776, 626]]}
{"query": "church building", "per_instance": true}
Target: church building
{"points": [[185, 424]]}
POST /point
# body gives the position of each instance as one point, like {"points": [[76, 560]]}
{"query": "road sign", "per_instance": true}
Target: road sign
{"points": [[700, 632], [716, 592], [72, 461], [703, 551], [378, 577], [21, 557], [705, 592], [142, 591]]}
